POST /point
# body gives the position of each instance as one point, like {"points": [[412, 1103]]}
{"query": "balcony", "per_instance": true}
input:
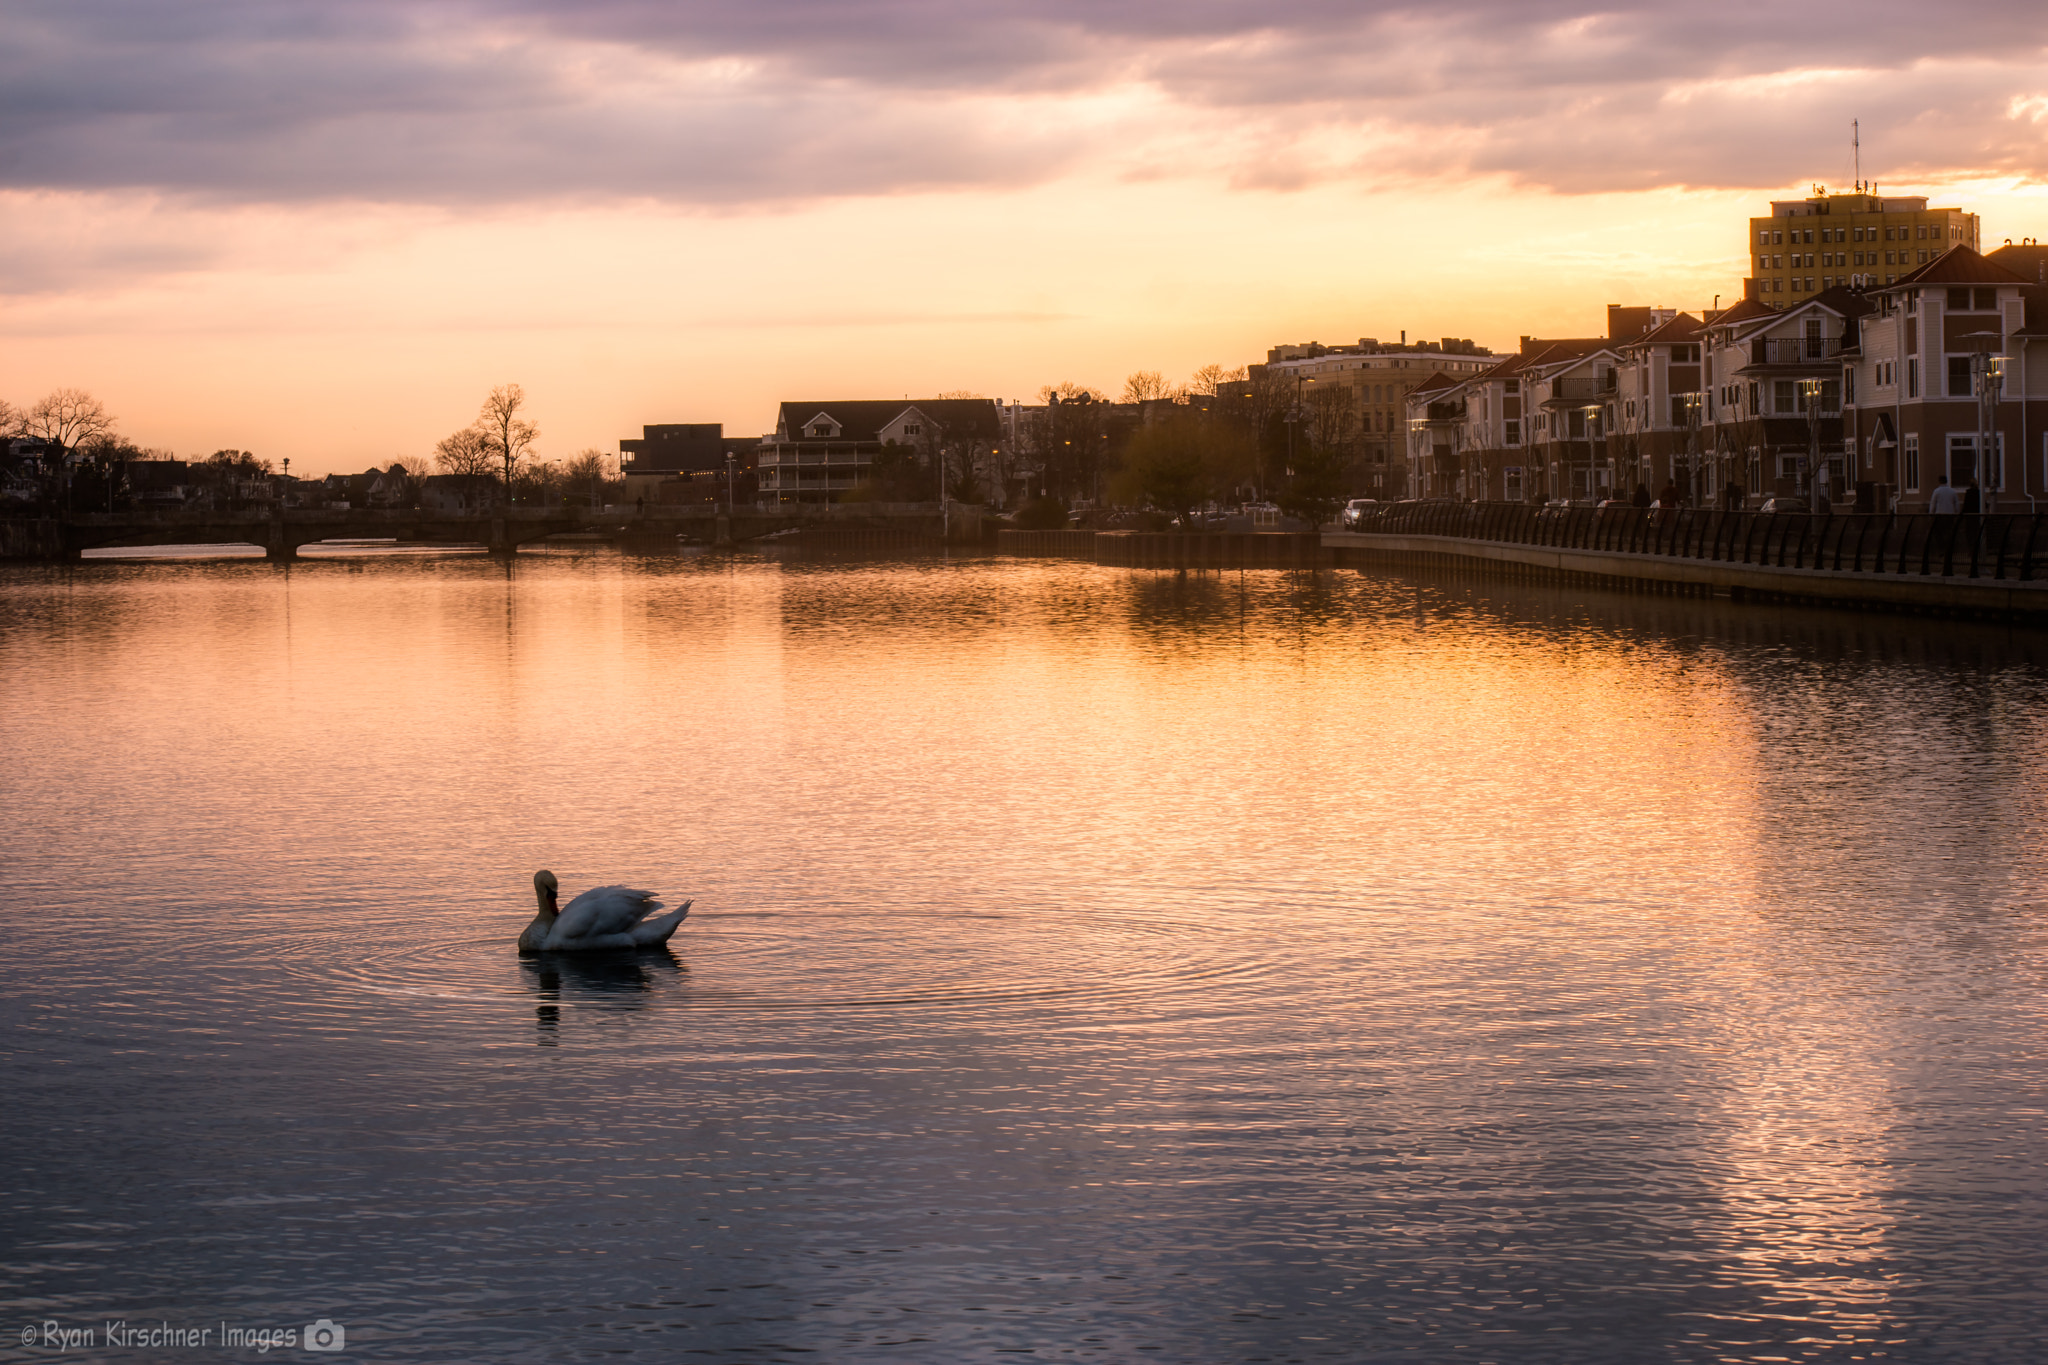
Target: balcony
{"points": [[1567, 392], [1817, 350]]}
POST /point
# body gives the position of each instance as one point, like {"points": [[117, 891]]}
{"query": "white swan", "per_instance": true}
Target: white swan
{"points": [[601, 918]]}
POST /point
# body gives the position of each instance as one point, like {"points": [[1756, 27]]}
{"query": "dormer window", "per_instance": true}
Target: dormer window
{"points": [[912, 429], [821, 430]]}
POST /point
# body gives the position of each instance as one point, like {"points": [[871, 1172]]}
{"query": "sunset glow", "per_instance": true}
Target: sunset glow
{"points": [[327, 235]]}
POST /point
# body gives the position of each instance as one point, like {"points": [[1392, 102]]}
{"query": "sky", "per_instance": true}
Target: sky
{"points": [[326, 230]]}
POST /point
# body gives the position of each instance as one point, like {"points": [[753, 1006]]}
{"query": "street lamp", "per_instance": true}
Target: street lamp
{"points": [[1591, 412], [1809, 393], [1987, 373], [1694, 404]]}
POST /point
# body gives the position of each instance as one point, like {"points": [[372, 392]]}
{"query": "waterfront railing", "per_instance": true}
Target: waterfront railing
{"points": [[1997, 545]]}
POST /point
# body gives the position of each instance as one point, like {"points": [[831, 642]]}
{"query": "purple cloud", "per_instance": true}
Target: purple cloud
{"points": [[724, 103]]}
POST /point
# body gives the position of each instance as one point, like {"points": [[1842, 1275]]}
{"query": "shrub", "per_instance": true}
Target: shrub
{"points": [[1042, 514]]}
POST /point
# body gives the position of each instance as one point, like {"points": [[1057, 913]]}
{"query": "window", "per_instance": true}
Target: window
{"points": [[1678, 412], [1962, 458], [1959, 376], [1809, 236], [1752, 397], [1987, 300], [1849, 385], [1909, 461], [1514, 432], [1920, 231], [1912, 376], [1777, 239], [1959, 299], [912, 429], [1785, 396]]}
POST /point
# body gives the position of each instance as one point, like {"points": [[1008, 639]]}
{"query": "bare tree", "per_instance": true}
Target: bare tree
{"points": [[590, 471], [11, 419], [1207, 380], [959, 393], [467, 451], [511, 436], [1147, 385], [67, 418], [1332, 417], [540, 481]]}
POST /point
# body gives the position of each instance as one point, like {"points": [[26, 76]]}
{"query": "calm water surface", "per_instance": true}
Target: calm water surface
{"points": [[1092, 963]]}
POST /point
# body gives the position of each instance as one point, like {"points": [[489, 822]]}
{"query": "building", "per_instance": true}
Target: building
{"points": [[1808, 246], [1772, 401], [822, 450], [684, 462], [1357, 395], [1539, 425], [1944, 369]]}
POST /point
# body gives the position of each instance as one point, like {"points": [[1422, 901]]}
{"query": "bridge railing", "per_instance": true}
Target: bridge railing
{"points": [[1999, 545]]}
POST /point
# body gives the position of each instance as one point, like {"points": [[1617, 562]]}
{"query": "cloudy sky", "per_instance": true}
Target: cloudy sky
{"points": [[325, 229]]}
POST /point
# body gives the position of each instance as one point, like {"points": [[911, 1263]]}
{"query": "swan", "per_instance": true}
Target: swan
{"points": [[603, 917]]}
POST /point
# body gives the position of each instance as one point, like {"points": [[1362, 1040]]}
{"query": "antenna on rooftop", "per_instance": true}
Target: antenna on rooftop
{"points": [[1856, 150]]}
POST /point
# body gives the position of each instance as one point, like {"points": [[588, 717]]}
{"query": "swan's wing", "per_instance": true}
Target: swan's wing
{"points": [[603, 911], [651, 933]]}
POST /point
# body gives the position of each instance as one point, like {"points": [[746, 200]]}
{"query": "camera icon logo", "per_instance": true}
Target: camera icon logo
{"points": [[326, 1335]]}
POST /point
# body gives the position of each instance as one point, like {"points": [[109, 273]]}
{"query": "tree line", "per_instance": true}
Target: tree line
{"points": [[1223, 436]]}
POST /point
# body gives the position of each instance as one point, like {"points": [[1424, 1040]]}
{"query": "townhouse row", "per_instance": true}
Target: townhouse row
{"points": [[1868, 391]]}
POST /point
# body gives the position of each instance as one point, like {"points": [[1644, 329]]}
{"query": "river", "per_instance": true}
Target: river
{"points": [[1095, 963]]}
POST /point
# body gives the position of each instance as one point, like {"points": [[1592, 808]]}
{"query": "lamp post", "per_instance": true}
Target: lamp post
{"points": [[1694, 404], [1809, 394], [1987, 374], [1591, 412]]}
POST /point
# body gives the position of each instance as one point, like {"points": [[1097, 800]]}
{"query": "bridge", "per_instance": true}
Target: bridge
{"points": [[281, 533]]}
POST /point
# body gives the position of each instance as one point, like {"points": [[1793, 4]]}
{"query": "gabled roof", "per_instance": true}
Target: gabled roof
{"points": [[1532, 345], [2028, 260], [1566, 353], [1850, 303], [1431, 385], [1959, 265], [1743, 311], [863, 419], [1674, 331]]}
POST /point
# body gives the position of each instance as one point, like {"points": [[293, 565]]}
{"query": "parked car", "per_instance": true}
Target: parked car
{"points": [[1784, 505], [1360, 510]]}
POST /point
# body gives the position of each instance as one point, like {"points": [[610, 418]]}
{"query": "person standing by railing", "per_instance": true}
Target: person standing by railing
{"points": [[1944, 501]]}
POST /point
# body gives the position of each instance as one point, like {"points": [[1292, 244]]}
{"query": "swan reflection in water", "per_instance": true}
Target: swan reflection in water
{"points": [[621, 980]]}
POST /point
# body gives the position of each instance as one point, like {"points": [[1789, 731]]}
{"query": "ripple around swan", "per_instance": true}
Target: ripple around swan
{"points": [[798, 960]]}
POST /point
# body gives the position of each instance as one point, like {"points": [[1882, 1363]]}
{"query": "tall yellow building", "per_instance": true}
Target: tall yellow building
{"points": [[1808, 245]]}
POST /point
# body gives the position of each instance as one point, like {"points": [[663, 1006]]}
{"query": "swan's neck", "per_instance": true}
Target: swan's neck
{"points": [[536, 933]]}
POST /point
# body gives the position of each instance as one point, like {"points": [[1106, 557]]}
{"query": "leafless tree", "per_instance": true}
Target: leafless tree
{"points": [[1147, 385], [590, 471], [67, 418], [1207, 380], [511, 436], [539, 481], [11, 419], [467, 451], [1332, 417]]}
